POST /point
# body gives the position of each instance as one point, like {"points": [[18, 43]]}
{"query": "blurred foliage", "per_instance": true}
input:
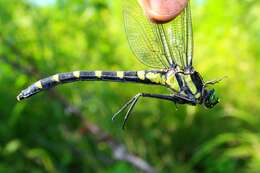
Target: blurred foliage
{"points": [[38, 135]]}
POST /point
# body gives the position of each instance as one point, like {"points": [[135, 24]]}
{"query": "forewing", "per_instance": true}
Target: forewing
{"points": [[159, 45], [142, 36]]}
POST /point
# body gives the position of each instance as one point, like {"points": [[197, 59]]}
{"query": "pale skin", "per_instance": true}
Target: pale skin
{"points": [[162, 11]]}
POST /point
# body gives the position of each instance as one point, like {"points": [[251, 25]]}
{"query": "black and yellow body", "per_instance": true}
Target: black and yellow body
{"points": [[160, 46], [153, 77], [168, 78]]}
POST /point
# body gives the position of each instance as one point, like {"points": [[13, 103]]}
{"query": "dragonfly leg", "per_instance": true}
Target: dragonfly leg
{"points": [[123, 107], [136, 97], [132, 103], [176, 98], [212, 82]]}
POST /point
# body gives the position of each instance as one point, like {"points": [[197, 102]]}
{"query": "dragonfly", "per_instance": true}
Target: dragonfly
{"points": [[165, 48]]}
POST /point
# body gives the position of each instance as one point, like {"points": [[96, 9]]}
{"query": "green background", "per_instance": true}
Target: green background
{"points": [[69, 129]]}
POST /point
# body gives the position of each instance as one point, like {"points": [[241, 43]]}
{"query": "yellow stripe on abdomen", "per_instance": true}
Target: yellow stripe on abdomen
{"points": [[76, 74], [155, 77], [120, 74], [55, 78], [38, 84], [98, 74], [141, 75]]}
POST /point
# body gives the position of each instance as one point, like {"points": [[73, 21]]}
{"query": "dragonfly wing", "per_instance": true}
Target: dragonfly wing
{"points": [[159, 45], [142, 36], [180, 36]]}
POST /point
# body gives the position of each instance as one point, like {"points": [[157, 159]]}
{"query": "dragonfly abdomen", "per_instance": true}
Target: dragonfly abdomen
{"points": [[145, 77]]}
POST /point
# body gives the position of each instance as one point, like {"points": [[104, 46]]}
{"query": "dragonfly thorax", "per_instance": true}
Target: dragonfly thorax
{"points": [[171, 79]]}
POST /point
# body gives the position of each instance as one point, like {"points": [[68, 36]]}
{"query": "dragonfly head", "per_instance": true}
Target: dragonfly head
{"points": [[210, 98]]}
